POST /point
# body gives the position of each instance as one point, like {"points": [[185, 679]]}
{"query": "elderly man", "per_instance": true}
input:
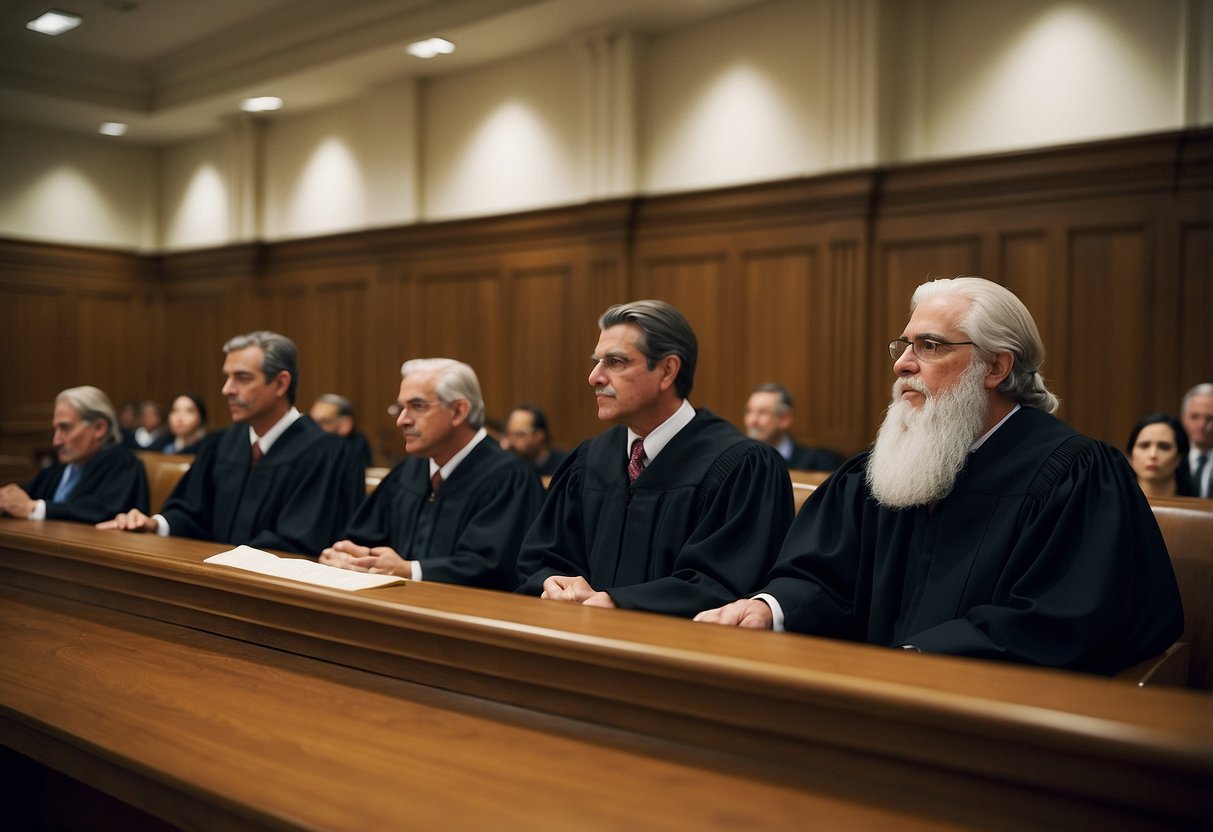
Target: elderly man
{"points": [[768, 418], [273, 479], [671, 510], [95, 475], [1196, 413], [978, 524], [526, 434], [335, 414], [454, 511]]}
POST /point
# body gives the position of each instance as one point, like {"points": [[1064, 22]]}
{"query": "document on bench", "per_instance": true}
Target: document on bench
{"points": [[298, 569]]}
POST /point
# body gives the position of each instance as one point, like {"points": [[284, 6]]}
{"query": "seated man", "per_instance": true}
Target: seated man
{"points": [[769, 417], [978, 524], [526, 434], [95, 475], [671, 508], [454, 511], [335, 414], [273, 480]]}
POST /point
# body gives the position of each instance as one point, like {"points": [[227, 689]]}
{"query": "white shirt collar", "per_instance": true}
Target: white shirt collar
{"points": [[661, 435], [459, 456], [785, 447], [271, 435], [982, 440]]}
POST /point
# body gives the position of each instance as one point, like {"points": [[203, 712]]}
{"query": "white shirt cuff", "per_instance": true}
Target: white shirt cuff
{"points": [[776, 610], [416, 569], [162, 528], [39, 510]]}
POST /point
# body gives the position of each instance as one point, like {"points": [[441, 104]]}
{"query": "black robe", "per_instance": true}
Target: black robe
{"points": [[360, 449], [470, 533], [548, 467], [296, 499], [1045, 552], [113, 481], [699, 527], [813, 459]]}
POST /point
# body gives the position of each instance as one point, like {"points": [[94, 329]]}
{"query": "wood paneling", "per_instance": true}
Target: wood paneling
{"points": [[799, 282]]}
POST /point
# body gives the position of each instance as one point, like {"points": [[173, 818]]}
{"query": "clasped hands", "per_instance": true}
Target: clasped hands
{"points": [[576, 589], [378, 560]]}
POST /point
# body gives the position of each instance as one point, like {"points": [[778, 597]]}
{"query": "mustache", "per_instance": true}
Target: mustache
{"points": [[606, 390], [914, 383], [236, 400]]}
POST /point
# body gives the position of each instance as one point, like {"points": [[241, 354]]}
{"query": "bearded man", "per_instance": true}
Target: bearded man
{"points": [[978, 524]]}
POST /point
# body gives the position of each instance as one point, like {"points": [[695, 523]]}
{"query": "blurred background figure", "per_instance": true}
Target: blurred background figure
{"points": [[186, 424], [335, 414], [1196, 412], [526, 434], [1158, 452], [128, 420], [769, 416], [151, 426]]}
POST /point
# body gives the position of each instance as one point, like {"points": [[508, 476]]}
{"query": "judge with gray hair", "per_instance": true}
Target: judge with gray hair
{"points": [[93, 476], [978, 524]]}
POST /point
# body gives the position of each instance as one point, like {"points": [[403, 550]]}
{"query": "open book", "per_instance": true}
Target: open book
{"points": [[299, 569]]}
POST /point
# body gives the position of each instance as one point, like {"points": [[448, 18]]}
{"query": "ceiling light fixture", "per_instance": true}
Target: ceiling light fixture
{"points": [[261, 104], [112, 128], [54, 22], [430, 48]]}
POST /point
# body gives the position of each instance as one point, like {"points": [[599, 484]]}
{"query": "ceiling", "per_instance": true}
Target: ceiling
{"points": [[173, 69]]}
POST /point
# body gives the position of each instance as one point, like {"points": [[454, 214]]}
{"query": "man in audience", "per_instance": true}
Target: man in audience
{"points": [[1196, 413], [335, 414], [274, 479], [454, 511], [526, 434], [769, 417], [151, 426], [670, 511], [95, 475], [978, 524]]}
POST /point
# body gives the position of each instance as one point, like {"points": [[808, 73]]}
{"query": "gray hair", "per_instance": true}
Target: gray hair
{"points": [[456, 381], [784, 404], [664, 331], [280, 354], [92, 405], [344, 406], [1205, 388], [997, 321]]}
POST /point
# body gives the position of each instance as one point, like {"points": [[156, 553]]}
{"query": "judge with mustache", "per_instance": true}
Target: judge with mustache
{"points": [[978, 524]]}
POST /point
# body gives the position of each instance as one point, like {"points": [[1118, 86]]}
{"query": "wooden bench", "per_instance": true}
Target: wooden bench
{"points": [[1187, 527], [164, 471]]}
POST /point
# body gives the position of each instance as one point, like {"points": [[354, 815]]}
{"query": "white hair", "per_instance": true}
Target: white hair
{"points": [[92, 404], [456, 380]]}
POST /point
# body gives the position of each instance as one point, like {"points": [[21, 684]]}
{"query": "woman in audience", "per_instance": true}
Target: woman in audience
{"points": [[1158, 452], [187, 421]]}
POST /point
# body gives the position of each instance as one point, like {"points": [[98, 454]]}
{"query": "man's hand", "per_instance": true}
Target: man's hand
{"points": [[378, 560], [131, 521], [576, 589], [14, 501], [748, 612]]}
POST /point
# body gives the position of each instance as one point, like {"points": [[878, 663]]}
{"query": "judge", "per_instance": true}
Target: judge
{"points": [[95, 474], [457, 508], [272, 480], [671, 510], [978, 524]]}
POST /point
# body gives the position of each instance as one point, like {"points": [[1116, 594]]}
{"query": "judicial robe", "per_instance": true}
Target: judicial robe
{"points": [[296, 499], [470, 532], [1045, 552], [700, 526], [113, 481], [813, 459]]}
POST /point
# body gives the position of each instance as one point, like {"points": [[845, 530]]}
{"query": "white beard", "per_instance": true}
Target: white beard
{"points": [[919, 452]]}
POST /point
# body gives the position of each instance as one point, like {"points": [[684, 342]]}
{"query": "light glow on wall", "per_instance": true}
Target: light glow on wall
{"points": [[330, 192], [201, 215]]}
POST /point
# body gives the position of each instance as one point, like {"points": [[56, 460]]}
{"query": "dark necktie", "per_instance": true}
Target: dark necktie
{"points": [[636, 460], [1200, 470], [435, 484], [257, 452], [67, 484]]}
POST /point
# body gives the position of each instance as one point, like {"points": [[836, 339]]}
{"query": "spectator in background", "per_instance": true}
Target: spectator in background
{"points": [[768, 418], [151, 426], [95, 475], [1158, 450], [526, 434], [186, 423], [1196, 414], [128, 421], [335, 414]]}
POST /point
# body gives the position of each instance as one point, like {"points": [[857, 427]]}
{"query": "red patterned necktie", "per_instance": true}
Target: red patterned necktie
{"points": [[636, 461], [257, 452], [435, 484]]}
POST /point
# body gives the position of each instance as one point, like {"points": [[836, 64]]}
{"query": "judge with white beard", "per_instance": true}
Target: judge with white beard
{"points": [[978, 524]]}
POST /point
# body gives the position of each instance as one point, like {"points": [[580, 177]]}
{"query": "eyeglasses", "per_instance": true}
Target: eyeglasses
{"points": [[925, 349], [418, 407]]}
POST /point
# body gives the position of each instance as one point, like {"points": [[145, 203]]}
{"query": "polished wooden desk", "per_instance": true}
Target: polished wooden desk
{"points": [[211, 696]]}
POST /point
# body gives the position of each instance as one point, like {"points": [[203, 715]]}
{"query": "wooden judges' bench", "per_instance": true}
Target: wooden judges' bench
{"points": [[220, 699]]}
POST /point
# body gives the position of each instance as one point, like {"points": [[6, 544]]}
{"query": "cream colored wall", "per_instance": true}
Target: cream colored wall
{"points": [[781, 89], [87, 190]]}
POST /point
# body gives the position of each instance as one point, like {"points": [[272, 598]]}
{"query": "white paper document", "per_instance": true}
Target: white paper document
{"points": [[298, 569]]}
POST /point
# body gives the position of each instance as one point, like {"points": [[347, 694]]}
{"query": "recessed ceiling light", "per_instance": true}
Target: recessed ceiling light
{"points": [[54, 22], [112, 128], [430, 48], [261, 104]]}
